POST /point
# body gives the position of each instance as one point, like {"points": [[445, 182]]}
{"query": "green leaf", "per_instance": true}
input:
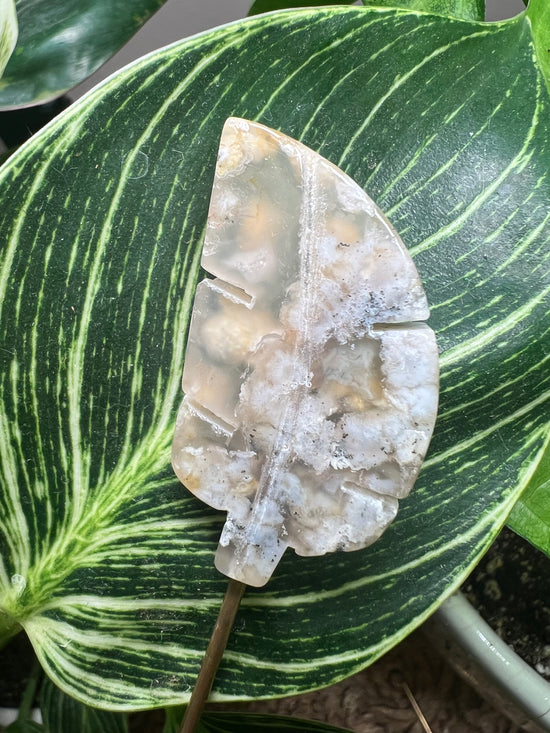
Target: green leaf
{"points": [[63, 714], [62, 42], [463, 9], [8, 31], [24, 726], [539, 15], [252, 723], [107, 560], [264, 6], [530, 516], [173, 718]]}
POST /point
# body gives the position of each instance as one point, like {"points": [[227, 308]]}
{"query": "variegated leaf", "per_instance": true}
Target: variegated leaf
{"points": [[62, 42], [466, 9], [8, 32], [530, 516], [265, 6], [251, 723], [225, 722], [63, 714], [107, 561]]}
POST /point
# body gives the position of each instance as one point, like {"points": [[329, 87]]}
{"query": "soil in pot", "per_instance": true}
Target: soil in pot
{"points": [[510, 588]]}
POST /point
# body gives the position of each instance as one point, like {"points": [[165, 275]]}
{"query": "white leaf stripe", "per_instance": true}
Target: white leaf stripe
{"points": [[295, 668], [515, 166], [404, 79], [8, 31], [317, 62], [319, 597], [413, 188], [77, 367], [498, 391], [62, 712], [485, 338]]}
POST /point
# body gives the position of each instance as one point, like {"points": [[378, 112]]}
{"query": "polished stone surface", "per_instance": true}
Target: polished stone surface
{"points": [[310, 384]]}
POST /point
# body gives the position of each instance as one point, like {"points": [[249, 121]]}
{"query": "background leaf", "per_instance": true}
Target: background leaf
{"points": [[251, 723], [107, 561], [173, 718], [63, 714], [24, 726], [530, 516], [464, 9], [8, 32], [539, 15], [211, 722], [264, 6], [63, 42]]}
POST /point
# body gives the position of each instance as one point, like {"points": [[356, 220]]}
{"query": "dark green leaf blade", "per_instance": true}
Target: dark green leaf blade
{"points": [[463, 9], [24, 726], [251, 723], [265, 6], [63, 714], [107, 561], [530, 516], [8, 32], [538, 12], [61, 43], [173, 719]]}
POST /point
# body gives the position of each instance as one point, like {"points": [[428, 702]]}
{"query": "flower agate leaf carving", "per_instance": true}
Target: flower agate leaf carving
{"points": [[310, 381]]}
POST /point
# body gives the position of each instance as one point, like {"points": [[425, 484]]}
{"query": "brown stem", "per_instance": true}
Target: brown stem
{"points": [[213, 655]]}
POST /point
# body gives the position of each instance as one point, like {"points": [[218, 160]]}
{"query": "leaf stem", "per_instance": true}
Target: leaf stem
{"points": [[25, 708], [8, 627], [213, 655]]}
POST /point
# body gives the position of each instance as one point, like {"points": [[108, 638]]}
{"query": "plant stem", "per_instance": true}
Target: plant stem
{"points": [[8, 627], [213, 655], [25, 708]]}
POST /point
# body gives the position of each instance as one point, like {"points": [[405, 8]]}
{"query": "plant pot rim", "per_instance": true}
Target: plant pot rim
{"points": [[490, 664]]}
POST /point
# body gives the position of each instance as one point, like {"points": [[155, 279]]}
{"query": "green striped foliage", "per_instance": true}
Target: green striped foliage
{"points": [[538, 13], [62, 42], [211, 722], [107, 561], [530, 516], [8, 32], [465, 9], [24, 726], [265, 6], [249, 723], [63, 714]]}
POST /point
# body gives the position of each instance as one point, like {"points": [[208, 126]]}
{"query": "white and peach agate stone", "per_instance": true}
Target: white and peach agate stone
{"points": [[311, 385]]}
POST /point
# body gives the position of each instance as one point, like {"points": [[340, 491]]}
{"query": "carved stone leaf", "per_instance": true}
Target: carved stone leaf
{"points": [[311, 387]]}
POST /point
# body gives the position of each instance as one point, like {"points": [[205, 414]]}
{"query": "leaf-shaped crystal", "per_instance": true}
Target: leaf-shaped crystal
{"points": [[311, 387]]}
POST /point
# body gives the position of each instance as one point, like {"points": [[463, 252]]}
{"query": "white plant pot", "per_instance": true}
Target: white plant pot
{"points": [[490, 665]]}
